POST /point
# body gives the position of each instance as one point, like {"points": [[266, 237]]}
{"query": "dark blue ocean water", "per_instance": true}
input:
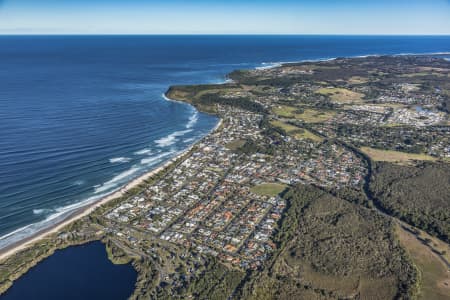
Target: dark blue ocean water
{"points": [[82, 115], [82, 272]]}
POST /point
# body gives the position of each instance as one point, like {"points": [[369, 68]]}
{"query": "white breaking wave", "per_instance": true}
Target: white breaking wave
{"points": [[424, 53], [266, 66], [58, 215], [171, 138], [119, 160], [79, 182], [116, 180], [189, 140], [441, 53], [192, 120], [42, 211], [272, 65], [143, 152], [166, 98], [171, 100], [156, 159]]}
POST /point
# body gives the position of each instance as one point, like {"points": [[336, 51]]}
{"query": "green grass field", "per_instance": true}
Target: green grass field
{"points": [[341, 95], [234, 145], [286, 127], [268, 189], [306, 134], [435, 277], [395, 156], [358, 80], [308, 115], [285, 111], [296, 132], [423, 74]]}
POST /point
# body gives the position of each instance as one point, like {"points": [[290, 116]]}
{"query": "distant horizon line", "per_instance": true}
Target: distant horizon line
{"points": [[227, 34]]}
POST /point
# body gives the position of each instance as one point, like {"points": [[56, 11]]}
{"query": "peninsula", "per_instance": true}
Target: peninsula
{"points": [[323, 180]]}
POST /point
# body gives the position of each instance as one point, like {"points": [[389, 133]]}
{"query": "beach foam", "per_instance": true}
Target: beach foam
{"points": [[143, 152], [192, 119], [269, 65], [171, 100], [58, 215], [189, 140], [79, 182], [171, 139], [157, 158], [119, 160], [424, 53], [41, 211], [110, 184]]}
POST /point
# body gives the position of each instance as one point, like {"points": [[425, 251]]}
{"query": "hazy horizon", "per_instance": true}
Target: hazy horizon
{"points": [[232, 17]]}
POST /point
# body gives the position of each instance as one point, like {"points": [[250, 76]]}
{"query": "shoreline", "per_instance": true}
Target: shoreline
{"points": [[84, 211], [89, 208]]}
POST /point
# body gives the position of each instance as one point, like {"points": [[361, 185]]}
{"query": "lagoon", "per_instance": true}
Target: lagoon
{"points": [[79, 272]]}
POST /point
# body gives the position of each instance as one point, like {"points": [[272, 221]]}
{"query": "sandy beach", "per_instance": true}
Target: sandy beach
{"points": [[86, 210]]}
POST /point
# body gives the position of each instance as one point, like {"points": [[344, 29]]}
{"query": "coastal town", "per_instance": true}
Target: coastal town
{"points": [[227, 205]]}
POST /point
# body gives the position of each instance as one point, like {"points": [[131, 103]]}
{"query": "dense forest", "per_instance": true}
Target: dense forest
{"points": [[332, 249], [419, 195]]}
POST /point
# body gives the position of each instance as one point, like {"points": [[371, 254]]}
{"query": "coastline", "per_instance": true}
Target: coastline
{"points": [[89, 208], [78, 224], [84, 211]]}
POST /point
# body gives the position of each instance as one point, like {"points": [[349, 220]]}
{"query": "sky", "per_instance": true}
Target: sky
{"points": [[406, 17]]}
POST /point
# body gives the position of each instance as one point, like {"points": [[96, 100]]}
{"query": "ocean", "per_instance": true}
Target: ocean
{"points": [[80, 116]]}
